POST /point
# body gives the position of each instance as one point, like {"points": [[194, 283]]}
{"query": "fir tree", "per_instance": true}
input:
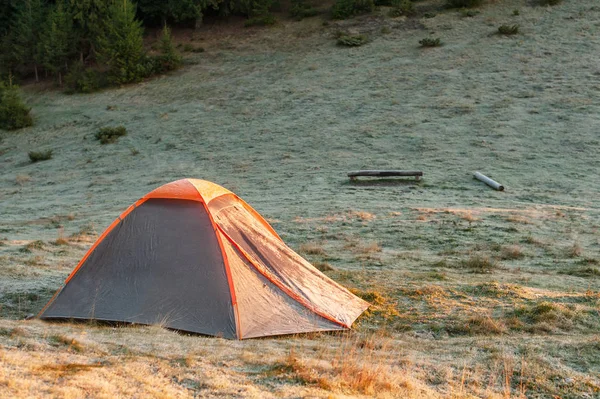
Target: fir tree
{"points": [[57, 42], [169, 58], [25, 34], [89, 19], [121, 47]]}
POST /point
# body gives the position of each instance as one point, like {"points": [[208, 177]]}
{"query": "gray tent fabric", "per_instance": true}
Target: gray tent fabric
{"points": [[161, 265], [192, 256]]}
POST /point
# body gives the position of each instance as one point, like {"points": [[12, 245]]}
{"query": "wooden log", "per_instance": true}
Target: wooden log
{"points": [[385, 173], [492, 183]]}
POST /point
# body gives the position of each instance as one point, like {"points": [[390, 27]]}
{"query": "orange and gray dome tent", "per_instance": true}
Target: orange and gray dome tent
{"points": [[193, 256]]}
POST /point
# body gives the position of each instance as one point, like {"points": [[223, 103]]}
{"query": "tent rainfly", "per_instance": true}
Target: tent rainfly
{"points": [[193, 256]]}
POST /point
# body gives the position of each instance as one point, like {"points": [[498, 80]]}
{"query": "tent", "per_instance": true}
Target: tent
{"points": [[193, 256]]}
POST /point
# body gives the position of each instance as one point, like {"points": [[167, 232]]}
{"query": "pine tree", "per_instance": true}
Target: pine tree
{"points": [[6, 15], [169, 58], [121, 47], [57, 42], [89, 19], [25, 34]]}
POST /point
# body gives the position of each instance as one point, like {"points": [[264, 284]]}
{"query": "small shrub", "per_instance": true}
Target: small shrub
{"points": [[465, 13], [343, 9], [323, 266], [14, 114], [549, 2], [479, 264], [512, 252], [429, 15], [463, 3], [430, 42], [352, 40], [84, 80], [108, 135], [402, 8], [36, 156], [198, 50], [261, 20], [516, 13], [508, 29], [301, 10], [312, 249]]}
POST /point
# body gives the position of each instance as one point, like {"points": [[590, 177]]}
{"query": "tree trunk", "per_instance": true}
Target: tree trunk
{"points": [[37, 78], [59, 78]]}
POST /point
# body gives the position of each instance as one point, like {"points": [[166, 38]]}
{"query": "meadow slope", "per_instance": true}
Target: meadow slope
{"points": [[475, 293]]}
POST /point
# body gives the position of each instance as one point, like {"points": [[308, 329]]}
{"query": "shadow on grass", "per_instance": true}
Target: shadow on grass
{"points": [[386, 182]]}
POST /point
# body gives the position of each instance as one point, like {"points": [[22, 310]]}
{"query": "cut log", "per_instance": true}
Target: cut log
{"points": [[385, 173], [492, 183]]}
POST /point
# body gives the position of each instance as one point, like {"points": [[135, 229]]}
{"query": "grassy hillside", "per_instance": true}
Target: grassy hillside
{"points": [[475, 293]]}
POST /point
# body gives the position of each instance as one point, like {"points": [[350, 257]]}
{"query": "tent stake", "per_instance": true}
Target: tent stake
{"points": [[492, 183]]}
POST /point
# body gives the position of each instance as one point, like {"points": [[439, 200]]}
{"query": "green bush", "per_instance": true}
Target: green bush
{"points": [[36, 156], [14, 114], [508, 29], [464, 3], [468, 13], [430, 42], [352, 40], [402, 7], [84, 80], [300, 10], [261, 20], [343, 9], [108, 135]]}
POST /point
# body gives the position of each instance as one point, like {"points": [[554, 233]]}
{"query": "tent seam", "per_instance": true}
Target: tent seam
{"points": [[230, 283]]}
